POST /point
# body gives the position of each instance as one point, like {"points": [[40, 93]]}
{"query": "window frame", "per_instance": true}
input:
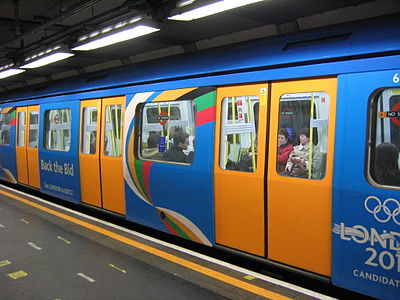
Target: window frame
{"points": [[142, 116], [320, 116], [8, 129], [372, 138], [227, 120], [46, 128]]}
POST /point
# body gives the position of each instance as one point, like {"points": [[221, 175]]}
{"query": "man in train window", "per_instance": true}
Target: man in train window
{"points": [[175, 153]]}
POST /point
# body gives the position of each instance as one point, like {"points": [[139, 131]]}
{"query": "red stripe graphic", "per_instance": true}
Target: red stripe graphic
{"points": [[205, 116], [146, 173]]}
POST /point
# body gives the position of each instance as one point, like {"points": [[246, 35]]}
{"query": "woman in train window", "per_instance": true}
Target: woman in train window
{"points": [[386, 164], [284, 149], [298, 164]]}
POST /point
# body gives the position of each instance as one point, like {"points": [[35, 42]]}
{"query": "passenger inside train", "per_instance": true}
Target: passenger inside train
{"points": [[387, 170], [300, 156], [152, 151], [284, 149], [175, 153]]}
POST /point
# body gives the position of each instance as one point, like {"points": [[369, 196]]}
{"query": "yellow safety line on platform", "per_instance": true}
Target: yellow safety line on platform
{"points": [[183, 262]]}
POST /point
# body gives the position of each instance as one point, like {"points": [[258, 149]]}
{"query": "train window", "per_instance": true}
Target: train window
{"points": [[168, 131], [384, 162], [57, 129], [113, 131], [89, 130], [303, 134], [21, 129], [239, 119], [5, 124], [33, 129]]}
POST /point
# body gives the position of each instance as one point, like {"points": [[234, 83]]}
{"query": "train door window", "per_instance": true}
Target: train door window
{"points": [[21, 129], [5, 120], [33, 129], [89, 130], [384, 160], [239, 133], [168, 131], [113, 131], [303, 134], [57, 129]]}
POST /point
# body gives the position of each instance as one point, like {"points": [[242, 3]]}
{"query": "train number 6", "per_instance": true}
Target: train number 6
{"points": [[396, 78]]}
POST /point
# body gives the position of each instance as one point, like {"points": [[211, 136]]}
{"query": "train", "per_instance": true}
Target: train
{"points": [[188, 145]]}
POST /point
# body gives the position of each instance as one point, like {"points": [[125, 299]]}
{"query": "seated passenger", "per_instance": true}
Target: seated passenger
{"points": [[175, 153], [386, 164], [300, 155], [151, 152], [284, 150]]}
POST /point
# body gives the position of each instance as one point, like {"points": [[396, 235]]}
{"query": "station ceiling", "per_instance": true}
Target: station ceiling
{"points": [[30, 26]]}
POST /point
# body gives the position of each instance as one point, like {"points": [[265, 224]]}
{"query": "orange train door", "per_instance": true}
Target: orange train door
{"points": [[299, 203], [112, 177], [100, 158], [239, 167], [89, 152], [32, 140], [27, 145], [20, 146]]}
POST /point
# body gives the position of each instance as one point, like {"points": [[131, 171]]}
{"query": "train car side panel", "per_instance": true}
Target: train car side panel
{"points": [[366, 211], [58, 150]]}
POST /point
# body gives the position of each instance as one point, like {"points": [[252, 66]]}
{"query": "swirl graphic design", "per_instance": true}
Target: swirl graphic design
{"points": [[137, 172]]}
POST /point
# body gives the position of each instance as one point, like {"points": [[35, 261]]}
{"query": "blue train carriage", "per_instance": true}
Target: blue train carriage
{"points": [[8, 167], [58, 150], [366, 206], [168, 167]]}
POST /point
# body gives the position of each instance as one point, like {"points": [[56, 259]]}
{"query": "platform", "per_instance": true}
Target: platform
{"points": [[50, 252]]}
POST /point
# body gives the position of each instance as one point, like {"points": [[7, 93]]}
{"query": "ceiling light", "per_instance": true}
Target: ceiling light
{"points": [[10, 72], [49, 59], [184, 3], [211, 9], [113, 38]]}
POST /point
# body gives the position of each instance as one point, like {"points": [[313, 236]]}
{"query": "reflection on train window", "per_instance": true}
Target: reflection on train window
{"points": [[239, 119], [33, 129], [303, 135], [113, 131], [384, 164], [57, 129], [89, 130], [152, 114], [5, 120], [21, 129], [168, 131]]}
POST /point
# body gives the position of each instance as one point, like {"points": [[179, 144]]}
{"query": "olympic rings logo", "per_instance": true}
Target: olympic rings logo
{"points": [[391, 211]]}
